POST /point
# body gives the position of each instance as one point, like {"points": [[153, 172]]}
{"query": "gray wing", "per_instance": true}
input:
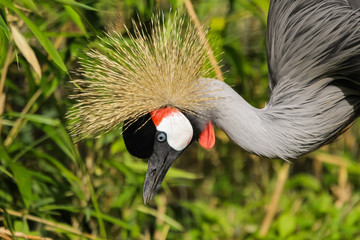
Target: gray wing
{"points": [[309, 40], [355, 4], [313, 49]]}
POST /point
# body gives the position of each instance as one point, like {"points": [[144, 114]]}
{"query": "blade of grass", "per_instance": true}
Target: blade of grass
{"points": [[55, 136], [69, 176], [113, 220], [36, 118], [49, 223], [8, 60], [4, 232], [271, 210], [45, 42], [2, 107], [35, 174], [30, 4], [5, 28], [202, 35], [4, 45], [29, 107], [29, 147], [173, 223], [77, 4], [25, 49], [4, 71], [4, 156], [62, 138], [76, 18], [23, 180], [6, 172], [5, 122], [15, 130], [98, 213], [328, 158], [74, 209]]}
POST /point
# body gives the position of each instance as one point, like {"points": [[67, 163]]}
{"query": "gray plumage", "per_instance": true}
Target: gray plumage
{"points": [[355, 4], [313, 50]]}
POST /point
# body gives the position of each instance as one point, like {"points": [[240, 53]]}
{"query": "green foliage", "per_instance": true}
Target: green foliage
{"points": [[54, 188]]}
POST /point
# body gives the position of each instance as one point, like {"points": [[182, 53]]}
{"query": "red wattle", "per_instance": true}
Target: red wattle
{"points": [[207, 136]]}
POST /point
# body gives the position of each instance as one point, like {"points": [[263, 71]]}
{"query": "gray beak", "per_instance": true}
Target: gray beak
{"points": [[158, 165]]}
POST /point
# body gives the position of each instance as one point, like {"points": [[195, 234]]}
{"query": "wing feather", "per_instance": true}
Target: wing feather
{"points": [[355, 4], [309, 41]]}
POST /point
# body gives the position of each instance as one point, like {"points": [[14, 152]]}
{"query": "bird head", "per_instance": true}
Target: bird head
{"points": [[157, 84], [162, 139]]}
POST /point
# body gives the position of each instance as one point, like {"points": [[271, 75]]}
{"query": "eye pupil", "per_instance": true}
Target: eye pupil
{"points": [[161, 137]]}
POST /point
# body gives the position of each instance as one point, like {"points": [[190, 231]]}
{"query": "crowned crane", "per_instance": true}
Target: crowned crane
{"points": [[157, 85]]}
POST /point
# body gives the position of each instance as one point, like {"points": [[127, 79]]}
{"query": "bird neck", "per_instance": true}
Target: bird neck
{"points": [[249, 127], [280, 131]]}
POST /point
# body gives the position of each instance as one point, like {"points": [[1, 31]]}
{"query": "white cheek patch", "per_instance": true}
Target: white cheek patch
{"points": [[178, 130]]}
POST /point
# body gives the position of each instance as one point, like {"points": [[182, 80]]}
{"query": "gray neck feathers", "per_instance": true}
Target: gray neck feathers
{"points": [[284, 131]]}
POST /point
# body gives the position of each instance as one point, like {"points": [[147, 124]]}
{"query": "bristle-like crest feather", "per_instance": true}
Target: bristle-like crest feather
{"points": [[124, 80]]}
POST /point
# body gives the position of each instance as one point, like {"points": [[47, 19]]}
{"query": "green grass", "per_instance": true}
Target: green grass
{"points": [[54, 188]]}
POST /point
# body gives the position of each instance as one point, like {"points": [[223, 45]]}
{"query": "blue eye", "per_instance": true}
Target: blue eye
{"points": [[161, 137]]}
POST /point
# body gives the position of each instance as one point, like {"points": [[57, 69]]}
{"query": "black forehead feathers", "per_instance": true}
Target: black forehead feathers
{"points": [[139, 136]]}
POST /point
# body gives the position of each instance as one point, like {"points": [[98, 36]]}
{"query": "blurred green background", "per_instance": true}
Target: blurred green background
{"points": [[54, 188]]}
